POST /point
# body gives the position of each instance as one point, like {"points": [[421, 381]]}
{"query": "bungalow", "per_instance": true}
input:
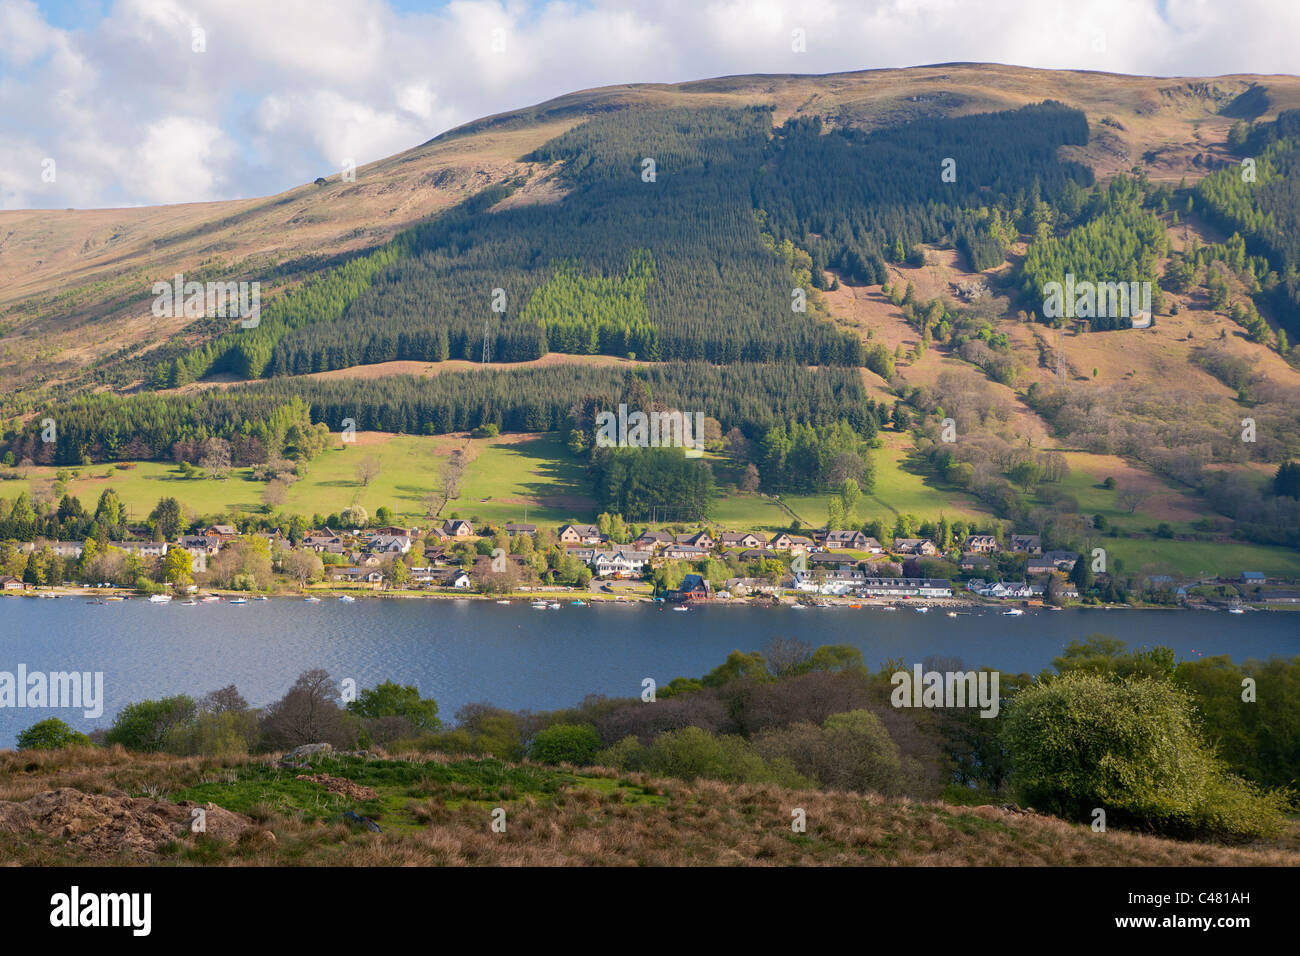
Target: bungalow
{"points": [[1006, 590], [1027, 543], [792, 542], [746, 539], [220, 531], [1281, 597], [781, 542], [757, 554], [923, 547], [695, 587], [971, 561], [685, 552], [515, 528], [457, 528], [582, 553], [389, 544], [456, 578], [844, 540], [391, 532], [743, 587], [620, 563], [981, 543], [359, 575], [1253, 577], [906, 587], [62, 549], [10, 583], [701, 539], [580, 534], [827, 560], [650, 540]]}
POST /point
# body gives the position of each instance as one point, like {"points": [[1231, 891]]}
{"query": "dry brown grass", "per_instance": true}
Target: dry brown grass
{"points": [[671, 823]]}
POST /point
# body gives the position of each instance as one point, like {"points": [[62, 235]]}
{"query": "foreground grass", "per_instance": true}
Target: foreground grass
{"points": [[435, 810]]}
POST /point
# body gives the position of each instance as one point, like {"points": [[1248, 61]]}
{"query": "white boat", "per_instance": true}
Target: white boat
{"points": [[348, 599], [922, 610], [1012, 612], [503, 602], [1236, 610], [312, 600], [798, 607], [210, 599], [952, 613], [539, 605], [681, 608], [159, 598], [238, 601], [554, 605]]}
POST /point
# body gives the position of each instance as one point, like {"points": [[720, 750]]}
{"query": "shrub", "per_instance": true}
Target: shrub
{"points": [[50, 734], [566, 743], [1132, 748]]}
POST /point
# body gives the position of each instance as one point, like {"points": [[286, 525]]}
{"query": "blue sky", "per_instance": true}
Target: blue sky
{"points": [[115, 94]]}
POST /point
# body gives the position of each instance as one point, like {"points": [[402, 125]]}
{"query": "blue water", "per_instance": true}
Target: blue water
{"points": [[459, 651]]}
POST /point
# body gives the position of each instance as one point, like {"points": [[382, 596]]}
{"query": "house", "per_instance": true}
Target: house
{"points": [[1027, 543], [1007, 590], [457, 528], [456, 578], [695, 587], [743, 587], [798, 542], [620, 563], [923, 547], [194, 543], [651, 540], [515, 528], [389, 544], [781, 542], [980, 544], [1253, 577], [61, 549], [580, 534], [685, 552], [391, 532], [701, 539], [145, 549], [827, 560], [220, 531], [1281, 597], [584, 554], [10, 583], [845, 540], [757, 554], [971, 561], [745, 539]]}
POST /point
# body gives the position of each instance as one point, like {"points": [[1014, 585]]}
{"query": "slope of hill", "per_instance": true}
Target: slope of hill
{"points": [[108, 807]]}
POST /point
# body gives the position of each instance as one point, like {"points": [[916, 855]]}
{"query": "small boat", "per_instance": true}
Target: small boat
{"points": [[262, 597], [538, 605], [1012, 612], [796, 606], [115, 597], [825, 604], [889, 607], [681, 607], [347, 599], [1236, 610], [503, 602], [578, 603], [190, 603], [952, 613], [238, 601], [554, 605], [312, 600], [211, 599], [159, 598], [855, 606], [922, 610]]}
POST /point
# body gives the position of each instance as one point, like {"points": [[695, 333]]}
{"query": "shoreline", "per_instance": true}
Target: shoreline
{"points": [[572, 595]]}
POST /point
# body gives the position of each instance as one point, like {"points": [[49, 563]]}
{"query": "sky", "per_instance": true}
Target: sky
{"points": [[135, 102]]}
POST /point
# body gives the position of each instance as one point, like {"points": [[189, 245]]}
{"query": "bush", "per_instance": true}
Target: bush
{"points": [[51, 734], [153, 725], [566, 743], [1132, 748]]}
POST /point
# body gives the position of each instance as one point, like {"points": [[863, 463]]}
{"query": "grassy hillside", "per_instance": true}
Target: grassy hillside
{"points": [[92, 806]]}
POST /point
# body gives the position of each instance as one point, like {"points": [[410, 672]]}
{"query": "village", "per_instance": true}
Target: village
{"points": [[677, 566]]}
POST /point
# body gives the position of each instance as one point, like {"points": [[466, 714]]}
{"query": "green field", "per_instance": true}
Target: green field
{"points": [[1195, 559], [506, 475]]}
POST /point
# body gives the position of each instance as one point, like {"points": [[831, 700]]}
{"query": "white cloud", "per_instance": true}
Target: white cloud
{"points": [[288, 88]]}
